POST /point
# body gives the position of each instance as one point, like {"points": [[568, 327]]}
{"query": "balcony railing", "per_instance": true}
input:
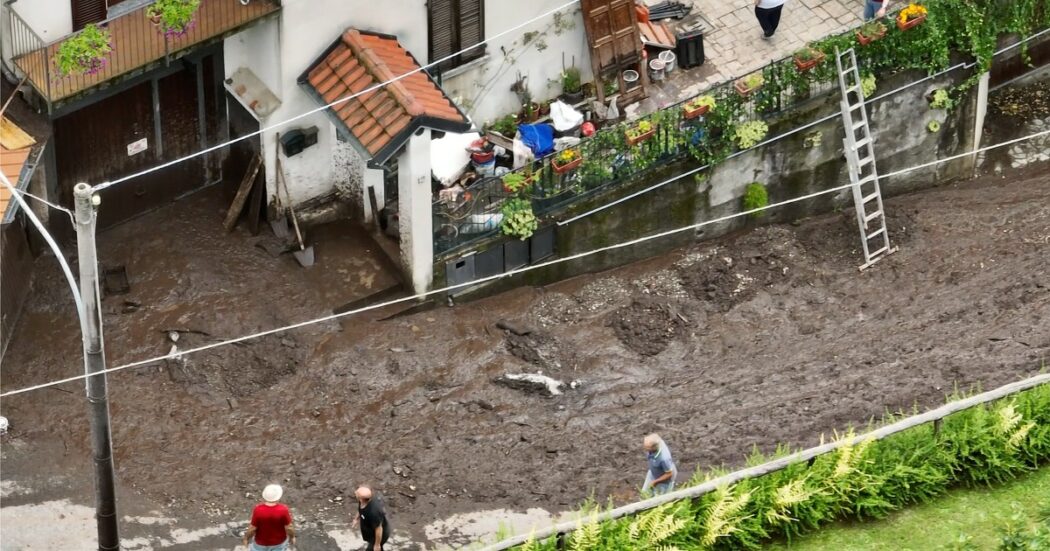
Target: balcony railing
{"points": [[137, 44]]}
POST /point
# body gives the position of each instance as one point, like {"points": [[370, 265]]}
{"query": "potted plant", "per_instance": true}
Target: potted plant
{"points": [[518, 220], [697, 107], [505, 126], [85, 52], [639, 133], [749, 84], [515, 182], [566, 160], [870, 32], [571, 86], [176, 17], [911, 16], [808, 58]]}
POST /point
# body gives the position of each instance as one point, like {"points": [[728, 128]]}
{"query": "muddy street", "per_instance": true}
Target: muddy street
{"points": [[767, 337]]}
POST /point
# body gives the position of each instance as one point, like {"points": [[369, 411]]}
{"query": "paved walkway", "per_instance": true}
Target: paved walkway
{"points": [[735, 46]]}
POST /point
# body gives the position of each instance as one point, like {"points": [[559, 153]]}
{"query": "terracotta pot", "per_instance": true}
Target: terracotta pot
{"points": [[640, 137], [688, 114], [562, 169], [804, 66], [742, 88], [911, 22], [155, 19], [865, 40]]}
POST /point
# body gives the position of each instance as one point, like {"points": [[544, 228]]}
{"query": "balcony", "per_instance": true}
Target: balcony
{"points": [[138, 45]]}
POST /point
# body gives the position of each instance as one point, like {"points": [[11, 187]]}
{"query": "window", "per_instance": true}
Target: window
{"points": [[455, 25]]}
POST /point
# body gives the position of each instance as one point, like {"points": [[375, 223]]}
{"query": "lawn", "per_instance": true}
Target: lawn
{"points": [[978, 513]]}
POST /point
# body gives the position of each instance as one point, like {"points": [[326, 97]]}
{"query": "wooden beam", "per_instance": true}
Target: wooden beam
{"points": [[242, 194]]}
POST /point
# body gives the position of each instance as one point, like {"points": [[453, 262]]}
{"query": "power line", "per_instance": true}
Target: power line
{"points": [[486, 279], [44, 201], [341, 100]]}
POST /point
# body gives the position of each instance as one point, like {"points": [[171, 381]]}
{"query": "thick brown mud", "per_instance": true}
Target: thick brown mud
{"points": [[768, 337]]}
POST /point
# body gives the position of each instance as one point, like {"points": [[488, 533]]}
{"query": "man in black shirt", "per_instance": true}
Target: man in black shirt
{"points": [[374, 528]]}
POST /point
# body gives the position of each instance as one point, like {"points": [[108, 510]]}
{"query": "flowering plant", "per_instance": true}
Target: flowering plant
{"points": [[567, 156], [913, 11], [84, 52], [175, 16]]}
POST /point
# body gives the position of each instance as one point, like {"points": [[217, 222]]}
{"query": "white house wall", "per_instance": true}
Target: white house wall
{"points": [[49, 19], [484, 89]]}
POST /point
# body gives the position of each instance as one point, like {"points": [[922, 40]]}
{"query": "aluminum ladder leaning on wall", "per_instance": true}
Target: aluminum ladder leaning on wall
{"points": [[860, 158]]}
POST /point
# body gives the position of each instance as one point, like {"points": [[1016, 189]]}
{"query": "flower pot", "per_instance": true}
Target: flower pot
{"points": [[914, 22], [528, 184], [155, 19], [804, 66], [572, 98], [688, 114], [524, 115], [639, 138], [865, 40], [743, 90], [562, 169]]}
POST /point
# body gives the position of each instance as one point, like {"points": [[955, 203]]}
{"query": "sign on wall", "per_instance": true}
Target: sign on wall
{"points": [[137, 147]]}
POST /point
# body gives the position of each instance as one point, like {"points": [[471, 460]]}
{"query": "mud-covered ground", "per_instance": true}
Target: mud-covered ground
{"points": [[767, 337]]}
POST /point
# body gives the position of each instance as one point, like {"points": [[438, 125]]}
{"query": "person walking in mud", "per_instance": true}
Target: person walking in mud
{"points": [[660, 477], [372, 517], [271, 524]]}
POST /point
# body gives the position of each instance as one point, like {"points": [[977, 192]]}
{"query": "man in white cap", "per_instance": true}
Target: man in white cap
{"points": [[271, 525], [660, 477], [372, 517]]}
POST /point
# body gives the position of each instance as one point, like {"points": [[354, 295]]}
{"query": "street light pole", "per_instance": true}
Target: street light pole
{"points": [[95, 362]]}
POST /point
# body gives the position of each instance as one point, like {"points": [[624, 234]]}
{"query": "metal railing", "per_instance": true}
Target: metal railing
{"points": [[609, 160], [137, 43], [23, 38]]}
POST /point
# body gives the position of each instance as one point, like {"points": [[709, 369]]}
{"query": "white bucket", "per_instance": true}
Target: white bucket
{"points": [[656, 69], [630, 78], [668, 57]]}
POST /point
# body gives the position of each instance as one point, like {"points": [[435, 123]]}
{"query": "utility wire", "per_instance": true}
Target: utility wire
{"points": [[524, 269], [44, 201], [341, 100]]}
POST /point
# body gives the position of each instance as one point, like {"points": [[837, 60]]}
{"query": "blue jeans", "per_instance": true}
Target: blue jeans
{"points": [[283, 546], [870, 9]]}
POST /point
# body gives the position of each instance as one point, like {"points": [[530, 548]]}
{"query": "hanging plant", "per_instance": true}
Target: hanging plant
{"points": [[518, 219], [748, 134], [911, 16], [85, 52], [867, 85], [176, 17]]}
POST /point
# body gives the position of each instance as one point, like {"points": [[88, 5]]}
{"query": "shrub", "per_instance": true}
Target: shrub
{"points": [[518, 219], [755, 197], [941, 99], [867, 85], [84, 52], [748, 134], [570, 81]]}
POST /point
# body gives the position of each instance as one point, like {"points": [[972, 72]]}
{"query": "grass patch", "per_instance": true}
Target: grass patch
{"points": [[979, 513]]}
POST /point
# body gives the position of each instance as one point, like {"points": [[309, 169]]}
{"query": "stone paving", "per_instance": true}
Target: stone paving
{"points": [[735, 47]]}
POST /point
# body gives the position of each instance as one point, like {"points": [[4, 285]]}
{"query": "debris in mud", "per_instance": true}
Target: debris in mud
{"points": [[534, 383], [555, 308], [539, 348], [1025, 102], [647, 325], [239, 370], [519, 330]]}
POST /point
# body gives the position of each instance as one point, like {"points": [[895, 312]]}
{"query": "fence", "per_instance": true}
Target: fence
{"points": [[610, 160], [934, 416], [136, 43]]}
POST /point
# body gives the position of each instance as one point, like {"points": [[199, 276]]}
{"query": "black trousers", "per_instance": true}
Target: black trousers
{"points": [[769, 19]]}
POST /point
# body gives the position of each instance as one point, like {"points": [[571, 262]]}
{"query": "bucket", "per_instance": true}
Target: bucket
{"points": [[630, 78], [656, 70], [668, 57], [486, 168]]}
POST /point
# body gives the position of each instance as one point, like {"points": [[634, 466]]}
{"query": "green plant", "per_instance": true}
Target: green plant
{"points": [[84, 52], [705, 100], [941, 99], [507, 126], [755, 197], [752, 81], [174, 16], [570, 81], [867, 85], [749, 134], [567, 156], [808, 54], [611, 87], [638, 130], [515, 182], [872, 29], [933, 126], [812, 139], [518, 219]]}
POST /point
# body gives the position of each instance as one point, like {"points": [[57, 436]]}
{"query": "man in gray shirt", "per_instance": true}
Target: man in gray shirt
{"points": [[660, 477]]}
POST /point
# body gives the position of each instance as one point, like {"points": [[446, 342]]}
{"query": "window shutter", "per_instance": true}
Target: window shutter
{"points": [[471, 28], [442, 31], [87, 11]]}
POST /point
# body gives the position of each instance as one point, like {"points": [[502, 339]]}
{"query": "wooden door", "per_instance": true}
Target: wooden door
{"points": [[613, 35]]}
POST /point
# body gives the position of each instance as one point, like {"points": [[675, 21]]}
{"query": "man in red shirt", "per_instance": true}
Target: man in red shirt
{"points": [[271, 523]]}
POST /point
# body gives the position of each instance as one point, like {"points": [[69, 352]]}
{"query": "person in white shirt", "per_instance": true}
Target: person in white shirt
{"points": [[768, 14]]}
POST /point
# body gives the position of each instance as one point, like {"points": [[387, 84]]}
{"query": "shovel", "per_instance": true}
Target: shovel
{"points": [[279, 224], [305, 255]]}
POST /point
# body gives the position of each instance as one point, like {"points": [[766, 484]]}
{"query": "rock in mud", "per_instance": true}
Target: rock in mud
{"points": [[539, 348], [532, 383], [647, 325]]}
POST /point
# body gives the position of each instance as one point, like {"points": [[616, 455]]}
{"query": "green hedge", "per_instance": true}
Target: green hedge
{"points": [[982, 445]]}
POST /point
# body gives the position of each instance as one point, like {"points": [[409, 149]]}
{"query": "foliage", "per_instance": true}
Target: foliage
{"points": [[749, 133], [755, 197], [872, 29], [933, 126], [752, 81], [941, 99], [1017, 534], [176, 16], [570, 81], [867, 85], [84, 52], [913, 11], [518, 219], [863, 478], [567, 156], [638, 130], [515, 182], [705, 100], [808, 54], [507, 126]]}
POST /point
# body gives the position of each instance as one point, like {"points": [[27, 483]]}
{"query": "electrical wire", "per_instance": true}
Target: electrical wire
{"points": [[339, 101], [44, 201], [577, 256]]}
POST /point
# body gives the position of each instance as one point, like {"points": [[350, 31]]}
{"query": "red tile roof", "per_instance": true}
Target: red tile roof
{"points": [[11, 162], [378, 118]]}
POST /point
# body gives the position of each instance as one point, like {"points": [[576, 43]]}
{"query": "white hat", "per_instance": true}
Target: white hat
{"points": [[272, 493]]}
